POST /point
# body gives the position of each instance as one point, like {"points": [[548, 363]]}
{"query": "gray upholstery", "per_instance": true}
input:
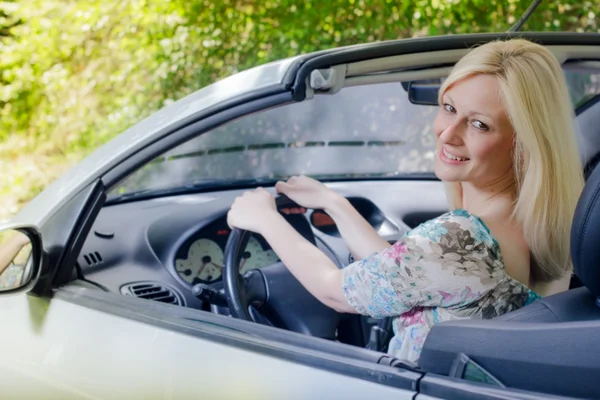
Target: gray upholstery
{"points": [[585, 235], [573, 305], [579, 304]]}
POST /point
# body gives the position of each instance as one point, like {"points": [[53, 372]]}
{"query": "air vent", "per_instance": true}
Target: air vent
{"points": [[153, 291], [93, 258]]}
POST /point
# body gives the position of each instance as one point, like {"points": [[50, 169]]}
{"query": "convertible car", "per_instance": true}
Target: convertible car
{"points": [[135, 287]]}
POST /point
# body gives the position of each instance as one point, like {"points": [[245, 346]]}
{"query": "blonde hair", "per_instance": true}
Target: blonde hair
{"points": [[546, 164]]}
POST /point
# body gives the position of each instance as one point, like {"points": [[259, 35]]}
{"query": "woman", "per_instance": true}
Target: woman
{"points": [[505, 148]]}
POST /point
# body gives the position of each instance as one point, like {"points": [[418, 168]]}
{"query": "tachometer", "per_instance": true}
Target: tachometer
{"points": [[204, 262], [255, 257]]}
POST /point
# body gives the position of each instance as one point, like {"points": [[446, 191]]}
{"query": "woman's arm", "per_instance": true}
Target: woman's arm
{"points": [[255, 211], [313, 269], [10, 249], [411, 273], [360, 237]]}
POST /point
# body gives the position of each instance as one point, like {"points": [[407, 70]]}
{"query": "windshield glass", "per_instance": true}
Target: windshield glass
{"points": [[365, 131], [360, 132]]}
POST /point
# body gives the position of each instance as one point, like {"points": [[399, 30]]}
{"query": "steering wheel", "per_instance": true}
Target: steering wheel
{"points": [[272, 295]]}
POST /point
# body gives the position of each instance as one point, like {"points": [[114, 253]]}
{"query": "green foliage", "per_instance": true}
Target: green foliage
{"points": [[76, 73], [7, 19]]}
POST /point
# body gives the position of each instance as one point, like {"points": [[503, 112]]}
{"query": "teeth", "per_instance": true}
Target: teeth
{"points": [[452, 157]]}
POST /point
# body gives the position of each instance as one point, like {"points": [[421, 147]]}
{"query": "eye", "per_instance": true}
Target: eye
{"points": [[480, 125], [449, 108]]}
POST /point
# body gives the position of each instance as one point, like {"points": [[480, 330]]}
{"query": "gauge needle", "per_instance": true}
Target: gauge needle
{"points": [[201, 268], [205, 264]]}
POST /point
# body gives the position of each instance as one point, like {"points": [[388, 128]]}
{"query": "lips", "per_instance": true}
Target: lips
{"points": [[452, 158]]}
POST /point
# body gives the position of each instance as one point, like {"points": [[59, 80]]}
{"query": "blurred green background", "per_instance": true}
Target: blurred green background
{"points": [[76, 73]]}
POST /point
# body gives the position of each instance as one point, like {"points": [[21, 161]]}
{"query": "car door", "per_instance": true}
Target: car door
{"points": [[26, 316], [76, 341]]}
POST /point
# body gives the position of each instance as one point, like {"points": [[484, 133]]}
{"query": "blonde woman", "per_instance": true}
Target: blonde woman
{"points": [[505, 147]]}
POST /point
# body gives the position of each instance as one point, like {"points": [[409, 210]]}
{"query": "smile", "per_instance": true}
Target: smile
{"points": [[452, 157]]}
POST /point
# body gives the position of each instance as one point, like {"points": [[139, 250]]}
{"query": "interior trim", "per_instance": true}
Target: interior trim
{"points": [[402, 76], [378, 70], [404, 61]]}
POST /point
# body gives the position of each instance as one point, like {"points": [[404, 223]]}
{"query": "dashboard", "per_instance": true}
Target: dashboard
{"points": [[200, 258], [179, 241]]}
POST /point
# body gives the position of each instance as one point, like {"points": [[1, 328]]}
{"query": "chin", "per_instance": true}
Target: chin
{"points": [[444, 173]]}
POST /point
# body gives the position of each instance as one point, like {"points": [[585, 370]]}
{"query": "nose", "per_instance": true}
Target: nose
{"points": [[452, 133]]}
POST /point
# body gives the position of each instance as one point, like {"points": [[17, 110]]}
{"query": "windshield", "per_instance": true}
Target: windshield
{"points": [[361, 132]]}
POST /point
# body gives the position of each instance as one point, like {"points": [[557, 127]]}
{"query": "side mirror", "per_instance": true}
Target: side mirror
{"points": [[423, 92], [20, 258]]}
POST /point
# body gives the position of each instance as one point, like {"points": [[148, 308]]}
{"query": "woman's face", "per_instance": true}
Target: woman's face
{"points": [[474, 137]]}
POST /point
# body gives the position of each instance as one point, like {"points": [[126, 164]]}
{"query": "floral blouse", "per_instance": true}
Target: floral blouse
{"points": [[447, 268]]}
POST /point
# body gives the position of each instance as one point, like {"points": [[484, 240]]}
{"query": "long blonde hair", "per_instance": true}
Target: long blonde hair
{"points": [[546, 163]]}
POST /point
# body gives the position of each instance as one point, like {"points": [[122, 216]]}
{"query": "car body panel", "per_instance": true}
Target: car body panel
{"points": [[70, 353]]}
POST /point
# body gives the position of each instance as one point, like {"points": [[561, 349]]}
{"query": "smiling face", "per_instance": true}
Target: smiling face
{"points": [[474, 137]]}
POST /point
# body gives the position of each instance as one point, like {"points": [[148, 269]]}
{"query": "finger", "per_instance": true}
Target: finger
{"points": [[229, 220], [281, 187]]}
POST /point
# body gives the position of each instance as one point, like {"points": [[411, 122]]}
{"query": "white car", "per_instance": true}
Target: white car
{"points": [[134, 286]]}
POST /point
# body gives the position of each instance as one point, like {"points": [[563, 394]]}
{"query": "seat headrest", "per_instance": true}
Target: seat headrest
{"points": [[585, 235]]}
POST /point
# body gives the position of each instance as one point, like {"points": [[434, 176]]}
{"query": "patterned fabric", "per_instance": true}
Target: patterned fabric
{"points": [[446, 268], [11, 277]]}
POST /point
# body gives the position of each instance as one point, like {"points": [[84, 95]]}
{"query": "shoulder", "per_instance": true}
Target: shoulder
{"points": [[512, 245], [457, 226]]}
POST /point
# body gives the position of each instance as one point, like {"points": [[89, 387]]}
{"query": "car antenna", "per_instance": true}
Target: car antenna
{"points": [[519, 24]]}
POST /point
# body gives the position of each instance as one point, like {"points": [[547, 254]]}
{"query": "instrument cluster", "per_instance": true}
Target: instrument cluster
{"points": [[200, 258]]}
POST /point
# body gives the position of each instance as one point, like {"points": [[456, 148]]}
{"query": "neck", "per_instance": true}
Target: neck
{"points": [[480, 199]]}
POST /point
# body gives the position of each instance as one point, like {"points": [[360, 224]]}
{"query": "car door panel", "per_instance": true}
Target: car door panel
{"points": [[74, 351]]}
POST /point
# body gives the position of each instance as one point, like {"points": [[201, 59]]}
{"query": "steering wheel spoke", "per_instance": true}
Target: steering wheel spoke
{"points": [[255, 289]]}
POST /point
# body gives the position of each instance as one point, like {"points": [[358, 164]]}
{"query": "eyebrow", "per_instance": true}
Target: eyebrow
{"points": [[472, 112]]}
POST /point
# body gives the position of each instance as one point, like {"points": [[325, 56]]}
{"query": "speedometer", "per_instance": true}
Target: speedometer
{"points": [[204, 262], [256, 257]]}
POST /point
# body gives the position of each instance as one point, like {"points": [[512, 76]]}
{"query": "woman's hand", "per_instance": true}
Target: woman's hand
{"points": [[307, 192], [252, 211], [256, 211]]}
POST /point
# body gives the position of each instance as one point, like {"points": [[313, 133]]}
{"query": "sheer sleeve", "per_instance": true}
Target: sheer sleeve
{"points": [[450, 261]]}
